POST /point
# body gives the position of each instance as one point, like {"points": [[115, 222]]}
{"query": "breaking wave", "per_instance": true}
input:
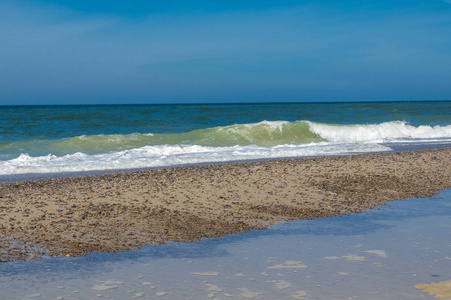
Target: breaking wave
{"points": [[263, 140]]}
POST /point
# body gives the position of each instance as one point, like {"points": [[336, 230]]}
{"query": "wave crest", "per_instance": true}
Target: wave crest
{"points": [[383, 132]]}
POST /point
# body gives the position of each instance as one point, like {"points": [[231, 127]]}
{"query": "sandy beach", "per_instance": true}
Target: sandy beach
{"points": [[115, 212]]}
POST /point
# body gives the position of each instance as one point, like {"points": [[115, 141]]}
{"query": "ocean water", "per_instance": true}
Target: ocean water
{"points": [[47, 140]]}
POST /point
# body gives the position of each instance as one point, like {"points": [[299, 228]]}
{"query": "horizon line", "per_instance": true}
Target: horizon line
{"points": [[225, 103]]}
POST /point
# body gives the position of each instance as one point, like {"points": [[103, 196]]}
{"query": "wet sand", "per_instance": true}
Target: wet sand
{"points": [[115, 212]]}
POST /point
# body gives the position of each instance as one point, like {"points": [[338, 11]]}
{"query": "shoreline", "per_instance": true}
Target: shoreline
{"points": [[123, 211], [397, 147]]}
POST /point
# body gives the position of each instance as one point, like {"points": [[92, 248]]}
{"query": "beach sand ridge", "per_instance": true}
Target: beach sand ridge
{"points": [[122, 211]]}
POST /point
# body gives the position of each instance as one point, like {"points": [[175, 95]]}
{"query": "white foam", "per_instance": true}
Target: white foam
{"points": [[170, 155], [387, 131]]}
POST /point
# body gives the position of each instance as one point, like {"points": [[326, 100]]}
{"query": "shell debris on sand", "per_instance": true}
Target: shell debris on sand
{"points": [[138, 295], [110, 282], [104, 287], [212, 288], [380, 253], [246, 293], [290, 264], [441, 290], [353, 257], [280, 284], [211, 273], [299, 295], [331, 257]]}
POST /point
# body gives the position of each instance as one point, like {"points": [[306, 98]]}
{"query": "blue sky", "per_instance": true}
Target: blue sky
{"points": [[105, 51]]}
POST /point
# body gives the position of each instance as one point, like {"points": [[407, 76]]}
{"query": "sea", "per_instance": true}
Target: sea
{"points": [[67, 140]]}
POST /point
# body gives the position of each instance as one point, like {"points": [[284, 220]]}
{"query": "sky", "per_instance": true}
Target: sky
{"points": [[143, 51]]}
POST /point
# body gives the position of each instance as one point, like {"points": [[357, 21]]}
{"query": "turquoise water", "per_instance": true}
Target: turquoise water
{"points": [[54, 139]]}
